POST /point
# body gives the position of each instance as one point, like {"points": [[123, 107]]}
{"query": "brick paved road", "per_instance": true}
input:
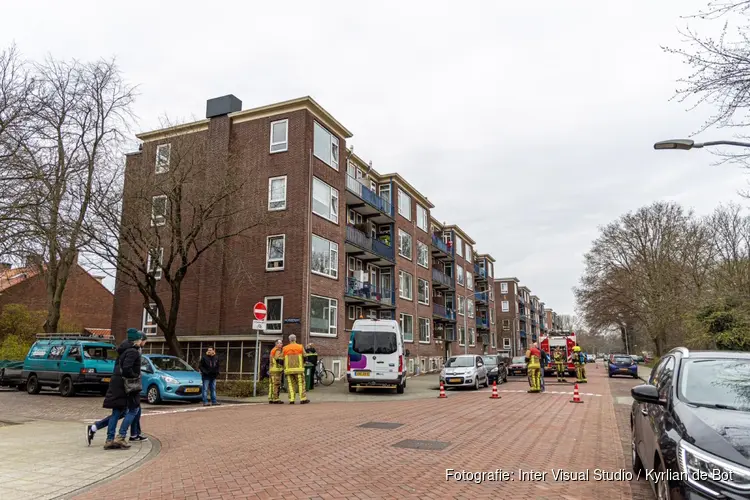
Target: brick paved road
{"points": [[241, 451]]}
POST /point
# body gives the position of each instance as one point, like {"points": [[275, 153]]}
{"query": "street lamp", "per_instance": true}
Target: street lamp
{"points": [[686, 144]]}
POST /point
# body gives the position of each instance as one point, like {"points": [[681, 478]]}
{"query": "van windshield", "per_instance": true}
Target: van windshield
{"points": [[374, 342], [99, 352]]}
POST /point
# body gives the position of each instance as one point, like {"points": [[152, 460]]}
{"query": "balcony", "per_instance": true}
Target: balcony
{"points": [[364, 200], [441, 312], [440, 248], [367, 293], [481, 297], [441, 280], [480, 274], [483, 323], [368, 249], [449, 335], [523, 317], [523, 334], [534, 321], [485, 338]]}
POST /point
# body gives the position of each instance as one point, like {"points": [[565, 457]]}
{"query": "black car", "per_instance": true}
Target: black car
{"points": [[691, 426], [497, 371]]}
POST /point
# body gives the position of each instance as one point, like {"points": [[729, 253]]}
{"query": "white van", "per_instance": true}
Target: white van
{"points": [[376, 355]]}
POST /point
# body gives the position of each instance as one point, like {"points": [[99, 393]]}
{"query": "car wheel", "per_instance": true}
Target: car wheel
{"points": [[352, 388], [476, 384], [400, 388], [153, 396], [32, 385], [661, 483], [610, 375], [486, 382], [66, 388]]}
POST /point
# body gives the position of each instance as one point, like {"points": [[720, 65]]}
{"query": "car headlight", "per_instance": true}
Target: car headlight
{"points": [[494, 370], [710, 473], [170, 380]]}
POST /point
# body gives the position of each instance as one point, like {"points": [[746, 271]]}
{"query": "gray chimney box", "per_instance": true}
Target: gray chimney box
{"points": [[220, 106]]}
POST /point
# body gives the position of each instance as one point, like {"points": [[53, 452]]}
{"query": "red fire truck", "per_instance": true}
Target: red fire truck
{"points": [[566, 341]]}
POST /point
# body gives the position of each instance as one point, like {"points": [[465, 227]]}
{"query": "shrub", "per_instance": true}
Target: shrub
{"points": [[14, 348], [240, 388], [17, 320]]}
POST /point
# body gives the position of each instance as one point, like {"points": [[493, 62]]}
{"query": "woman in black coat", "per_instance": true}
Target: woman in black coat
{"points": [[122, 403]]}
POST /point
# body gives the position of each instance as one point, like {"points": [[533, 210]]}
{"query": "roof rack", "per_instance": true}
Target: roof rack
{"points": [[72, 336]]}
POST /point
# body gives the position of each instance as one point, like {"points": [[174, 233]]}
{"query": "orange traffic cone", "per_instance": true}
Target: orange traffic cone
{"points": [[442, 391], [495, 395], [576, 396]]}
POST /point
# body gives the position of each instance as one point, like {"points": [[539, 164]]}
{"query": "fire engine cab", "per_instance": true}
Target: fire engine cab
{"points": [[566, 341]]}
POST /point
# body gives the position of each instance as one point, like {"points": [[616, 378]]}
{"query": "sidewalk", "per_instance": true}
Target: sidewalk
{"points": [[42, 460], [644, 372]]}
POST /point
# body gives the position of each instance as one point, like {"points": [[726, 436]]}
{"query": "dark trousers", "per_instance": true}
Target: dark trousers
{"points": [[135, 427]]}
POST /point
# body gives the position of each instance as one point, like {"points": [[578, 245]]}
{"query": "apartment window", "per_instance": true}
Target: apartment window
{"points": [[460, 275], [459, 246], [470, 307], [461, 335], [359, 312], [149, 324], [469, 280], [503, 288], [472, 337], [323, 316], [461, 305], [492, 294], [506, 343], [275, 252], [159, 210], [404, 244], [506, 324], [423, 255], [505, 306], [407, 327], [163, 152], [404, 204], [155, 259], [423, 291], [352, 315], [326, 146], [274, 314], [492, 316], [490, 273], [277, 193], [424, 330], [279, 136], [405, 290], [421, 217], [325, 257], [325, 201], [468, 253]]}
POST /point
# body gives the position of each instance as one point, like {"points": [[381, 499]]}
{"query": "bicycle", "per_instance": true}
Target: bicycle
{"points": [[323, 376]]}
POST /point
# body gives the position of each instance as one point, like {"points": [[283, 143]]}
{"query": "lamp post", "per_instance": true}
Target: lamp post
{"points": [[687, 144]]}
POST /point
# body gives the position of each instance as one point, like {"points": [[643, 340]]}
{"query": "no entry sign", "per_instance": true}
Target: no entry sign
{"points": [[260, 311]]}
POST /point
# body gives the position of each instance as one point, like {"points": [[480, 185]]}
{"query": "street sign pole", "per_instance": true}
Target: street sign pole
{"points": [[257, 364], [259, 325]]}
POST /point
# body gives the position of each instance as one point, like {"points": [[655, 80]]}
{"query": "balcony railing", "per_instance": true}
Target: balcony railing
{"points": [[368, 291], [534, 321], [440, 277], [443, 312], [360, 239], [483, 323], [523, 334], [438, 243], [369, 196], [481, 296], [480, 273]]}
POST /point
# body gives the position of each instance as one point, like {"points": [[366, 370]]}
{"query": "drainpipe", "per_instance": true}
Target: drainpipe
{"points": [[308, 266]]}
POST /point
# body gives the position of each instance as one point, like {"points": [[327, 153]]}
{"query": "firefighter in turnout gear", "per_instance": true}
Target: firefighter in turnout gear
{"points": [[275, 369], [294, 369], [579, 359], [533, 367], [560, 365]]}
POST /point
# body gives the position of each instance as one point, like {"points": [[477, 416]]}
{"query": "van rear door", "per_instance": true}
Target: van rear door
{"points": [[379, 346]]}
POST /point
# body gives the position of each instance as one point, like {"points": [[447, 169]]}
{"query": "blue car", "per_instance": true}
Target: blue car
{"points": [[622, 364], [168, 378]]}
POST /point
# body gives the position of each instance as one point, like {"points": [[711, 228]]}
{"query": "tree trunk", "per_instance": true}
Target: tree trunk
{"points": [[174, 346]]}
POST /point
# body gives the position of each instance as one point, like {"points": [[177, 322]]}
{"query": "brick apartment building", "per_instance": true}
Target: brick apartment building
{"points": [[522, 316], [339, 241]]}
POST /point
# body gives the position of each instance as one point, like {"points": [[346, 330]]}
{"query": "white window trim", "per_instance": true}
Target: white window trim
{"points": [[426, 221], [411, 246], [461, 336], [427, 293], [505, 306], [333, 161], [158, 270], [421, 245], [281, 319], [270, 183], [336, 318], [461, 300], [459, 246], [503, 287], [401, 324], [411, 288], [285, 142], [492, 316], [398, 201], [351, 313], [460, 276], [330, 218], [506, 343], [268, 248], [331, 247], [162, 168], [470, 310], [150, 329], [166, 210], [428, 330], [469, 282], [336, 368], [472, 337]]}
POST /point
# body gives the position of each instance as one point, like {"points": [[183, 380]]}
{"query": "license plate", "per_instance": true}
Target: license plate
{"points": [[454, 380], [105, 380], [193, 389], [361, 374], [624, 370]]}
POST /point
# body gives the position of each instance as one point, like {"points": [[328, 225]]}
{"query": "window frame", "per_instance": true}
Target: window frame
{"points": [[281, 314], [333, 326], [506, 343], [162, 168], [470, 310], [402, 233], [504, 287], [403, 330], [468, 253], [268, 249], [402, 277], [460, 275], [469, 280], [505, 306], [154, 221], [472, 337], [285, 142], [420, 216], [427, 291], [147, 328], [333, 160], [406, 196], [270, 193], [421, 246], [419, 328], [458, 244], [157, 272], [331, 190], [461, 305], [333, 271]]}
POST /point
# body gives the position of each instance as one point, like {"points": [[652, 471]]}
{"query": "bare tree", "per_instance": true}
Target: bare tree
{"points": [[162, 223]]}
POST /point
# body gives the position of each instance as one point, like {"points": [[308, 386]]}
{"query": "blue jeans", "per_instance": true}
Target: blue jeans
{"points": [[127, 414], [542, 379], [209, 384], [135, 427]]}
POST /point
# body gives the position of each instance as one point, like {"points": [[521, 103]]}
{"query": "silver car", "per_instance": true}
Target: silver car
{"points": [[466, 370]]}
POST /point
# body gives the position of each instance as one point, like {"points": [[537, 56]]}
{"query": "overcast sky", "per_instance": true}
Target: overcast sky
{"points": [[548, 109]]}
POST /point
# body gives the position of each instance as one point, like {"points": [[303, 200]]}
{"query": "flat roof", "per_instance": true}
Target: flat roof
{"points": [[461, 233], [411, 189], [487, 256], [507, 279]]}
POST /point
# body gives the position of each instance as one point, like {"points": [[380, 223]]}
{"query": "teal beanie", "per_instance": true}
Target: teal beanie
{"points": [[134, 335]]}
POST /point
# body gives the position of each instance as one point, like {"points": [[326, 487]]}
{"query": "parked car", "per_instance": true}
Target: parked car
{"points": [[376, 355], [690, 425], [622, 364], [637, 358], [69, 363], [517, 366], [466, 370], [497, 371], [590, 358], [168, 378]]}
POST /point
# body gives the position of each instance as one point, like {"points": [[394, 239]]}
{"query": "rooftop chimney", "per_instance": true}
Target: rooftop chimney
{"points": [[220, 106]]}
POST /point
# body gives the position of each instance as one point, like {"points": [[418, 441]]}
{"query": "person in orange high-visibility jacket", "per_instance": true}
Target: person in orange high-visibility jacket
{"points": [[294, 369], [275, 369]]}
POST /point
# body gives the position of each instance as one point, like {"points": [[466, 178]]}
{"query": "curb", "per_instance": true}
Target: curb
{"points": [[155, 450]]}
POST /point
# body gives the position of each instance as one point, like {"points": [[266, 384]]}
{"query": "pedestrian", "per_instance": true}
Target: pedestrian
{"points": [[209, 367], [276, 367], [294, 368], [580, 363], [544, 362], [124, 391], [533, 357]]}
